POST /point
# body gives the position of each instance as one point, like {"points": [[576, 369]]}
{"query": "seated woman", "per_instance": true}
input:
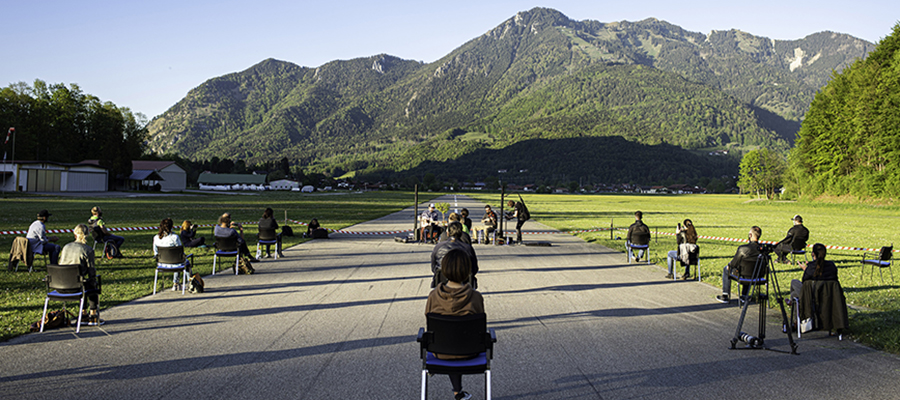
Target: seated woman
{"points": [[167, 238], [315, 231], [268, 222], [455, 298], [820, 269], [80, 253], [189, 235], [686, 238]]}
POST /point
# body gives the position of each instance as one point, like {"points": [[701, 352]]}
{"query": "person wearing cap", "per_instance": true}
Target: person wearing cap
{"points": [[96, 223], [796, 239], [430, 219], [39, 241]]}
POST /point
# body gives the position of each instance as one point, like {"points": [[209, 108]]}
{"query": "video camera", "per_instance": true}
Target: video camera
{"points": [[766, 248]]}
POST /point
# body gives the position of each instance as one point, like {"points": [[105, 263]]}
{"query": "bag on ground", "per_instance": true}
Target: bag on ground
{"points": [[245, 267], [55, 319], [196, 284]]}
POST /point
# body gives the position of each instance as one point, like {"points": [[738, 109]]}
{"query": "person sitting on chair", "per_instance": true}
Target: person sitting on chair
{"points": [[795, 240], [463, 237], [430, 219], [466, 221], [189, 235], [39, 241], [225, 228], [442, 248], [639, 234], [743, 265], [97, 224], [167, 238], [488, 223], [268, 222], [686, 239], [818, 269], [457, 298], [79, 253]]}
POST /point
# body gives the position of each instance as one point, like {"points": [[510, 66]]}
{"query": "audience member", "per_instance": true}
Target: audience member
{"points": [[167, 238], [796, 239], [457, 298], [464, 237], [226, 228], [38, 239], [189, 235], [639, 234], [441, 249], [79, 253], [466, 221], [743, 265], [267, 222], [96, 223], [686, 240], [822, 270]]}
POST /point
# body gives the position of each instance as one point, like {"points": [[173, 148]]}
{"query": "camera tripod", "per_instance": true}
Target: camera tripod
{"points": [[765, 272]]}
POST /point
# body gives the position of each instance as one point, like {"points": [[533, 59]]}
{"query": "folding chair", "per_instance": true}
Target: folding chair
{"points": [[795, 253], [456, 335], [64, 284], [227, 247], [172, 259], [883, 261], [267, 237]]}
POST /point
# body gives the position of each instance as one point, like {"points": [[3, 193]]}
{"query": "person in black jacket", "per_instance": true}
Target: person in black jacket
{"points": [[818, 269], [267, 222], [442, 248], [796, 239], [520, 213], [638, 233], [743, 265]]}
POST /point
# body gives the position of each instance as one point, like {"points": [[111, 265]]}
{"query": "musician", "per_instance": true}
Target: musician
{"points": [[431, 219]]}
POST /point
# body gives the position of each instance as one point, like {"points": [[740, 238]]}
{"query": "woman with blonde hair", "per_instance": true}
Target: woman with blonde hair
{"points": [[189, 235], [81, 254]]}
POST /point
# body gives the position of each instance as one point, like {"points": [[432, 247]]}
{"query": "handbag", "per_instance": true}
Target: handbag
{"points": [[806, 325]]}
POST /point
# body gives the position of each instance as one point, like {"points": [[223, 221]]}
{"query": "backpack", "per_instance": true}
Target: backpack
{"points": [[525, 214], [55, 319], [196, 284], [111, 251], [287, 231], [244, 266]]}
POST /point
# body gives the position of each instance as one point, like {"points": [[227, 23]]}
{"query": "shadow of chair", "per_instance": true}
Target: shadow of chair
{"points": [[883, 261], [227, 247], [458, 336], [172, 259]]}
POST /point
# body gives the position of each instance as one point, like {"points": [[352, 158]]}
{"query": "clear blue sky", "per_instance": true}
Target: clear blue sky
{"points": [[148, 55]]}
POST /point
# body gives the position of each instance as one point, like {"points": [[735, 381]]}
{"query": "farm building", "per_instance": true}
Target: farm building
{"points": [[48, 176], [211, 181], [284, 184], [144, 174]]}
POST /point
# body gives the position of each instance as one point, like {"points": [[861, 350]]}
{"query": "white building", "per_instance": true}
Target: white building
{"points": [[284, 184], [48, 176]]}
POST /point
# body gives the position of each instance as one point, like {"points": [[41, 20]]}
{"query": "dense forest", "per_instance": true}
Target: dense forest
{"points": [[849, 143], [61, 123]]}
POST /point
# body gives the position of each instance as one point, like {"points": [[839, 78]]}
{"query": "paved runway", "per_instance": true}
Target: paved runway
{"points": [[337, 319]]}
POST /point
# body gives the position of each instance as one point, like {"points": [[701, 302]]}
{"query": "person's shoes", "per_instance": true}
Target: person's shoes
{"points": [[267, 256], [94, 320], [637, 260], [686, 277], [723, 298], [176, 287], [463, 395], [670, 276], [280, 254]]}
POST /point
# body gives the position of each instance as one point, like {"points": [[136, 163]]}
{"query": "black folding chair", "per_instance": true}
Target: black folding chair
{"points": [[267, 237], [64, 284], [172, 259], [227, 247], [458, 336], [883, 261]]}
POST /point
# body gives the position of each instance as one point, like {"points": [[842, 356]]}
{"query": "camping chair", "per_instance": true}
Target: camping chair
{"points": [[631, 248], [456, 335], [64, 283], [883, 261], [227, 247], [267, 237], [172, 259]]}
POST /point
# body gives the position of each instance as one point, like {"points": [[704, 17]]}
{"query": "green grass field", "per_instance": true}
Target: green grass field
{"points": [[22, 293], [875, 306], [875, 309]]}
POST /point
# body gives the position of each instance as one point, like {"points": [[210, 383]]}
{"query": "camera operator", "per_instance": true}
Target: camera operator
{"points": [[795, 240], [742, 266]]}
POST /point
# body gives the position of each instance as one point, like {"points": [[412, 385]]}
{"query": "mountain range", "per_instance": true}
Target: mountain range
{"points": [[537, 77]]}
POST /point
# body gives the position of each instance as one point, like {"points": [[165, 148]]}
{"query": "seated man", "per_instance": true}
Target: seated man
{"points": [[79, 253], [639, 234], [795, 240], [101, 233], [430, 220], [226, 228], [39, 241], [442, 248], [488, 223], [743, 265]]}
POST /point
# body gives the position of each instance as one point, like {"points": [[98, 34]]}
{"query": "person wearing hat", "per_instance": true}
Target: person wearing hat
{"points": [[96, 223], [796, 239], [430, 219], [39, 241]]}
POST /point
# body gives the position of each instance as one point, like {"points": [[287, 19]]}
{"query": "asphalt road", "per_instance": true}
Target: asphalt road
{"points": [[337, 319]]}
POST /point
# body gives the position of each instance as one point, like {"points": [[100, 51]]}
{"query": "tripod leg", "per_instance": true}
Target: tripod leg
{"points": [[737, 332]]}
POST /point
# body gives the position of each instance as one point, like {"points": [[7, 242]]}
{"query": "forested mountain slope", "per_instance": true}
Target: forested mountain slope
{"points": [[538, 75]]}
